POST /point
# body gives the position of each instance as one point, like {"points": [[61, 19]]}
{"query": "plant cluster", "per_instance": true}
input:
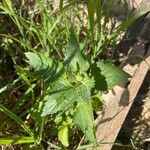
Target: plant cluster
{"points": [[57, 65]]}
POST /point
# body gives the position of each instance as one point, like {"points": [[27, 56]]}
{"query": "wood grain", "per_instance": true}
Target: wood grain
{"points": [[120, 101]]}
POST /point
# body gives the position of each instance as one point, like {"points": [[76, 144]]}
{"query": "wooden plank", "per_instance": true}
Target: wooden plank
{"points": [[120, 102]]}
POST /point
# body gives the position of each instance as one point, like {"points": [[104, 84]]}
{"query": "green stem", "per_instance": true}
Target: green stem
{"points": [[100, 143], [41, 126]]}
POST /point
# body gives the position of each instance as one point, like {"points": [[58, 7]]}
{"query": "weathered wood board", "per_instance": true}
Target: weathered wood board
{"points": [[120, 102]]}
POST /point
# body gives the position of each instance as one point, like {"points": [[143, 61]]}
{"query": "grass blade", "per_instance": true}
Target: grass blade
{"points": [[17, 119], [130, 21], [16, 140]]}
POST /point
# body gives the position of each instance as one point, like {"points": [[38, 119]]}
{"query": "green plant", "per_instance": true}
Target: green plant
{"points": [[65, 77], [70, 86]]}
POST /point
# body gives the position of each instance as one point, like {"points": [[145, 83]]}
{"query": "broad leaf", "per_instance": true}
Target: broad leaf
{"points": [[64, 95], [73, 55], [113, 74], [59, 85], [45, 67], [60, 101], [84, 119], [84, 90]]}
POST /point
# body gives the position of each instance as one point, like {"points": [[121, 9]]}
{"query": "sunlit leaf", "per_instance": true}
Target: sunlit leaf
{"points": [[84, 119], [113, 74], [66, 94], [45, 67], [73, 55]]}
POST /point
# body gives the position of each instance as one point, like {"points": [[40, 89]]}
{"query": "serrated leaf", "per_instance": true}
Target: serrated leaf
{"points": [[84, 90], [113, 74], [45, 67], [73, 55], [64, 95], [63, 135], [59, 101], [84, 118], [60, 85]]}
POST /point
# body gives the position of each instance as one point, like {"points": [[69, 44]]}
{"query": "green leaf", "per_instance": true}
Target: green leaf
{"points": [[16, 140], [84, 119], [73, 55], [60, 85], [36, 111], [84, 90], [91, 7], [63, 95], [63, 135], [113, 74], [8, 5], [45, 67], [59, 101]]}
